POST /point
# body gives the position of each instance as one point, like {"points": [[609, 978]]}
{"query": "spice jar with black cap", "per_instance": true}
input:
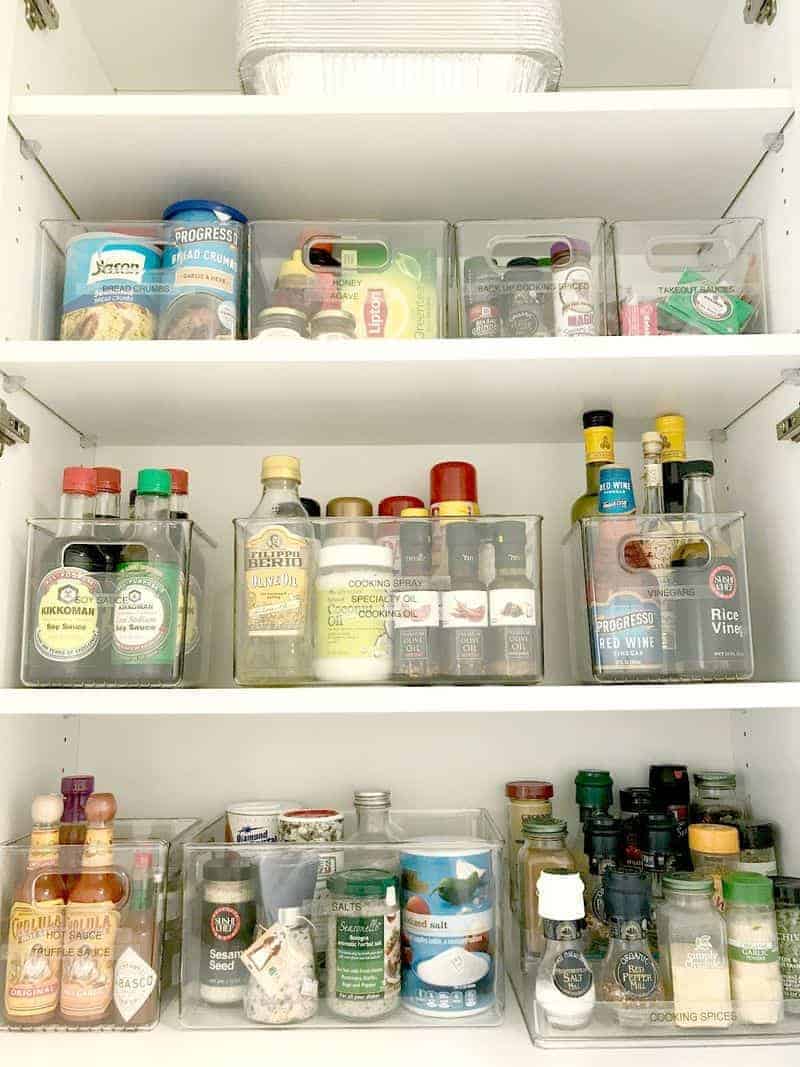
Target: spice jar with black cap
{"points": [[757, 848], [658, 858], [634, 802], [787, 916], [603, 845], [669, 784], [630, 980]]}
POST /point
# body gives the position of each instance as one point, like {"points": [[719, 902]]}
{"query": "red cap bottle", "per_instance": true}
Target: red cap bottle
{"points": [[81, 480], [180, 480], [393, 506], [109, 479], [454, 480]]}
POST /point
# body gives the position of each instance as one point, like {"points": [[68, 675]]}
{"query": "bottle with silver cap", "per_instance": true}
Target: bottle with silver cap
{"points": [[375, 826]]}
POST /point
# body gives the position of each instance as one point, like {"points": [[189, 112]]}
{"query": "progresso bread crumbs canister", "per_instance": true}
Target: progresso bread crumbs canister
{"points": [[111, 288], [203, 266], [448, 929]]}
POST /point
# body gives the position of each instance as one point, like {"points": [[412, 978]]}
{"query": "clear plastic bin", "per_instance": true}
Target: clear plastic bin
{"points": [[346, 279], [172, 833], [139, 281], [691, 276], [532, 278], [126, 997], [448, 864], [659, 598], [653, 1026], [116, 603], [402, 46], [346, 606]]}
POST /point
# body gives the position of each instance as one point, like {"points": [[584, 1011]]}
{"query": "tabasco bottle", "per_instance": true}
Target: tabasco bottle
{"points": [[91, 920], [36, 924], [135, 981]]}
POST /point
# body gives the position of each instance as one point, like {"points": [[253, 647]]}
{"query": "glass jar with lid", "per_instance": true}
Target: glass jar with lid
{"points": [[787, 916], [288, 324], [716, 800], [524, 797], [374, 827], [693, 951], [630, 979], [333, 324], [544, 846], [757, 841], [715, 852], [753, 948]]}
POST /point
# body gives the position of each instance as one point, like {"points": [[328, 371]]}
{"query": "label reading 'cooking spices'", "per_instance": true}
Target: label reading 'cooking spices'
{"points": [[276, 579], [67, 615], [352, 621]]}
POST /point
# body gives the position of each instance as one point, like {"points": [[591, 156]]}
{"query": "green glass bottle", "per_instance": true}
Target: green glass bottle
{"points": [[598, 436]]}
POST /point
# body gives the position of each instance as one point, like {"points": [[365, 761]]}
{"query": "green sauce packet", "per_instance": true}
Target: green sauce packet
{"points": [[703, 307]]}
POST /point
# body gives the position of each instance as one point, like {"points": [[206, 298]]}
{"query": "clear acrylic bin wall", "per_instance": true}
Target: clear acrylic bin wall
{"points": [[331, 602], [532, 278], [366, 279], [138, 281], [653, 1026], [120, 994], [449, 866], [691, 276], [119, 604], [172, 833], [400, 46], [659, 598]]}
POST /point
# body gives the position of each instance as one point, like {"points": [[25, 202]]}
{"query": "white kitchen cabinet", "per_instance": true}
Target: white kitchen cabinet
{"points": [[669, 109]]}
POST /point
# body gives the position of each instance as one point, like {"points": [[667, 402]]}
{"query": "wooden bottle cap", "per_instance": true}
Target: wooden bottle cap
{"points": [[47, 809], [101, 808]]}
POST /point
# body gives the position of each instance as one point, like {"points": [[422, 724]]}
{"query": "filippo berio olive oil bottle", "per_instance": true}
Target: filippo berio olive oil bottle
{"points": [[712, 632], [145, 649]]}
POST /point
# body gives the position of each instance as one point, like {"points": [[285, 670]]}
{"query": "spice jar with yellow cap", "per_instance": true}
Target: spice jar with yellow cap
{"points": [[274, 579], [715, 852]]}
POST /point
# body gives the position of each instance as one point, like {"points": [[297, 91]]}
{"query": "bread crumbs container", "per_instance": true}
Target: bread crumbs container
{"points": [[449, 938]]}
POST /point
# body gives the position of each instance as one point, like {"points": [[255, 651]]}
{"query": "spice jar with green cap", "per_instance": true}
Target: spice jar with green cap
{"points": [[693, 952], [753, 948], [787, 916], [363, 958], [544, 846]]}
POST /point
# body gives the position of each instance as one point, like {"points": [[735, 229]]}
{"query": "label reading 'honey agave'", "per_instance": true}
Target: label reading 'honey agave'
{"points": [[276, 579]]}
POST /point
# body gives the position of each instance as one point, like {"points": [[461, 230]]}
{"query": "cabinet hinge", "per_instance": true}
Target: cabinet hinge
{"points": [[41, 14], [12, 429], [760, 11]]}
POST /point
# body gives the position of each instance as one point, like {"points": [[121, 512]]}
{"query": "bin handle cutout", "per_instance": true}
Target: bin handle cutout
{"points": [[634, 554], [500, 250], [699, 252], [324, 253]]}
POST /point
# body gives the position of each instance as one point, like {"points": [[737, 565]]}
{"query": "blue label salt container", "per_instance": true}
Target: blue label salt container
{"points": [[448, 931], [203, 266], [111, 288]]}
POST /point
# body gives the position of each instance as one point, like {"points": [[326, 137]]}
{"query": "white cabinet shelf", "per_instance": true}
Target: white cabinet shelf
{"points": [[403, 700], [437, 392], [620, 154]]}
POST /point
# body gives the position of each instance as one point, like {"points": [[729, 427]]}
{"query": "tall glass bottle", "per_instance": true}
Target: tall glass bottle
{"points": [[603, 845], [598, 436], [147, 604], [66, 605], [416, 605], [91, 921], [465, 606], [712, 631], [659, 550], [110, 536], [514, 648], [135, 981], [276, 583], [672, 429], [36, 924], [374, 826]]}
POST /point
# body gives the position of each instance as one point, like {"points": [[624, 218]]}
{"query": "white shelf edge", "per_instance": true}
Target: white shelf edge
{"points": [[445, 350], [207, 105], [403, 700]]}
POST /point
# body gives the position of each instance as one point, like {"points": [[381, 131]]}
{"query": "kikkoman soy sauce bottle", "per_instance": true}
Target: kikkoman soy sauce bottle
{"points": [[36, 924], [92, 920]]}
